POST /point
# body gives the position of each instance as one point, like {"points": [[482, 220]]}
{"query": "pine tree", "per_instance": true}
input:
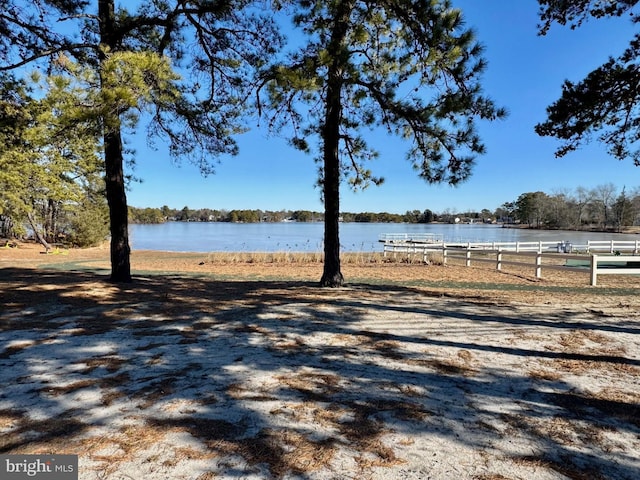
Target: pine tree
{"points": [[15, 118], [606, 102], [46, 167], [407, 66], [134, 54]]}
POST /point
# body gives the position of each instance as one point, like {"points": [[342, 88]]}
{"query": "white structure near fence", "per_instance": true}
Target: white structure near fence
{"points": [[531, 252]]}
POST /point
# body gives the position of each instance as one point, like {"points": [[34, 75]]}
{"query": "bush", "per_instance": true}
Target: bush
{"points": [[90, 224]]}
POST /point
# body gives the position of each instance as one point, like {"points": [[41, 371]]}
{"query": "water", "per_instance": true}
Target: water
{"points": [[307, 237]]}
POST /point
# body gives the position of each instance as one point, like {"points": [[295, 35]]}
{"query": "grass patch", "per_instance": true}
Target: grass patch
{"points": [[316, 258]]}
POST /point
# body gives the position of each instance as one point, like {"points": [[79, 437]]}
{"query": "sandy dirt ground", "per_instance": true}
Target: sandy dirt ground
{"points": [[203, 370]]}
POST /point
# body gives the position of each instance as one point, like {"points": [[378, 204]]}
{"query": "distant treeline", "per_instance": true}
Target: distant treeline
{"points": [[160, 215], [602, 208]]}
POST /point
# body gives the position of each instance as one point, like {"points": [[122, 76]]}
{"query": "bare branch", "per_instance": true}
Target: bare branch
{"points": [[48, 53]]}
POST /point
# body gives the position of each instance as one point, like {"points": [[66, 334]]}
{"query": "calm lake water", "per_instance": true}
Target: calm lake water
{"points": [[307, 237]]}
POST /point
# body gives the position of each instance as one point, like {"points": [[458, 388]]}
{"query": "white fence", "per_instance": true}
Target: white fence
{"points": [[598, 264], [409, 242], [612, 246], [529, 259], [529, 254], [630, 265]]}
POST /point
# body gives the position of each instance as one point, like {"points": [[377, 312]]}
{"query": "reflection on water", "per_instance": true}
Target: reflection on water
{"points": [[307, 237]]}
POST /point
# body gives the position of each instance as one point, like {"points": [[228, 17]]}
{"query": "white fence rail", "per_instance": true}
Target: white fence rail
{"points": [[529, 254], [630, 265], [529, 259], [406, 242], [598, 264], [613, 246]]}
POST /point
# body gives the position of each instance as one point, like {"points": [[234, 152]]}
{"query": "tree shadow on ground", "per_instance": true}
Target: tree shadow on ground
{"points": [[282, 378]]}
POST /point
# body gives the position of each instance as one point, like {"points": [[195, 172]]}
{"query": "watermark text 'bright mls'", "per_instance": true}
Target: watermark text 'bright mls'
{"points": [[42, 467]]}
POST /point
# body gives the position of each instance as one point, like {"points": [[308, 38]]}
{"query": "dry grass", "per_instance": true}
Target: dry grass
{"points": [[453, 366], [586, 351], [129, 442], [491, 476], [316, 258], [313, 386], [9, 417], [581, 338], [282, 451], [288, 452], [513, 283], [565, 468], [29, 436], [546, 375], [15, 348], [365, 434]]}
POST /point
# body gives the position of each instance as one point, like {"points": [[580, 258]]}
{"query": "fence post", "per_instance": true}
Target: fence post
{"points": [[539, 265], [468, 256], [499, 260], [611, 246], [594, 270], [444, 254]]}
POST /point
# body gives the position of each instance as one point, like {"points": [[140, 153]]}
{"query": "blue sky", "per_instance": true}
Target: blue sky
{"points": [[525, 74]]}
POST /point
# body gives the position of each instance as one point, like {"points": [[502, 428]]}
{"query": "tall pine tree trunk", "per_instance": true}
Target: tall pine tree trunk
{"points": [[118, 212], [113, 160], [332, 276]]}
